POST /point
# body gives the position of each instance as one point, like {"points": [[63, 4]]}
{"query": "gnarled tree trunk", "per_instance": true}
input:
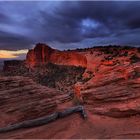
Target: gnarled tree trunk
{"points": [[45, 120]]}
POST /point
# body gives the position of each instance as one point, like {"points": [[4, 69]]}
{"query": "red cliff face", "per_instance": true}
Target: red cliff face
{"points": [[42, 54], [30, 58], [39, 55], [68, 58]]}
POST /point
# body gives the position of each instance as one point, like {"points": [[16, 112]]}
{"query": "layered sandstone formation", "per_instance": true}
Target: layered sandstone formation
{"points": [[22, 99], [107, 84], [42, 54], [113, 89]]}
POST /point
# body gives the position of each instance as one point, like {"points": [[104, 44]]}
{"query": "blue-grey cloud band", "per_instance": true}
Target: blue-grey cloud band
{"points": [[69, 24]]}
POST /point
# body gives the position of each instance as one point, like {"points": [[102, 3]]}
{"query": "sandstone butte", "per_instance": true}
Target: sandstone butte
{"points": [[109, 89], [43, 54]]}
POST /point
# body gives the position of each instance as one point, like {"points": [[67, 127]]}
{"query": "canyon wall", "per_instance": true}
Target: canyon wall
{"points": [[107, 84], [43, 54]]}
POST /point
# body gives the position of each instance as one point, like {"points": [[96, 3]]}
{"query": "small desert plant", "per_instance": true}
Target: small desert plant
{"points": [[134, 59], [76, 100]]}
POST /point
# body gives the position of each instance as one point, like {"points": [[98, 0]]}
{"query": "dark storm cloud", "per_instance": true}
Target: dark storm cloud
{"points": [[69, 24], [3, 18], [13, 41], [112, 16]]}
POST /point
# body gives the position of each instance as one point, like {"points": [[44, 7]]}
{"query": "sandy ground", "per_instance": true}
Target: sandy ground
{"points": [[74, 127]]}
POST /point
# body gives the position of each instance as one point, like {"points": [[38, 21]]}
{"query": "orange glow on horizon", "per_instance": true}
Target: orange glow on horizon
{"points": [[11, 54]]}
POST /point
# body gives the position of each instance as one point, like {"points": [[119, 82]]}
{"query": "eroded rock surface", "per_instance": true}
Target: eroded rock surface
{"points": [[42, 54], [22, 99], [114, 88]]}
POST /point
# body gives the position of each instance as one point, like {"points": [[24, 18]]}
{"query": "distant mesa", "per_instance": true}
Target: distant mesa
{"points": [[43, 54], [10, 65]]}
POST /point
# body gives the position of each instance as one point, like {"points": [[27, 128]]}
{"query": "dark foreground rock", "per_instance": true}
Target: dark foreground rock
{"points": [[22, 99], [46, 119]]}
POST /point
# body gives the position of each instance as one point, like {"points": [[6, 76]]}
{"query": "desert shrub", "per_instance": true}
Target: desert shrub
{"points": [[139, 49], [134, 59], [58, 75], [76, 101], [108, 58]]}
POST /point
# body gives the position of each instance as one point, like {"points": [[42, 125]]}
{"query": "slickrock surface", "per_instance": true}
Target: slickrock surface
{"points": [[22, 99], [74, 127], [114, 90]]}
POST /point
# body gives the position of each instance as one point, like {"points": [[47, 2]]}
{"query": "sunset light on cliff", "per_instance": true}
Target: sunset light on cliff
{"points": [[11, 54]]}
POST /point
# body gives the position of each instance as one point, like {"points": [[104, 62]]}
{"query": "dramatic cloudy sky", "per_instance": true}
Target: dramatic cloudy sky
{"points": [[64, 25]]}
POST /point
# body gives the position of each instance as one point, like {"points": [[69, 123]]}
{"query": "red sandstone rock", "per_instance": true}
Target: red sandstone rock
{"points": [[68, 58], [39, 55], [31, 58], [22, 99], [115, 86], [42, 54], [111, 89]]}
